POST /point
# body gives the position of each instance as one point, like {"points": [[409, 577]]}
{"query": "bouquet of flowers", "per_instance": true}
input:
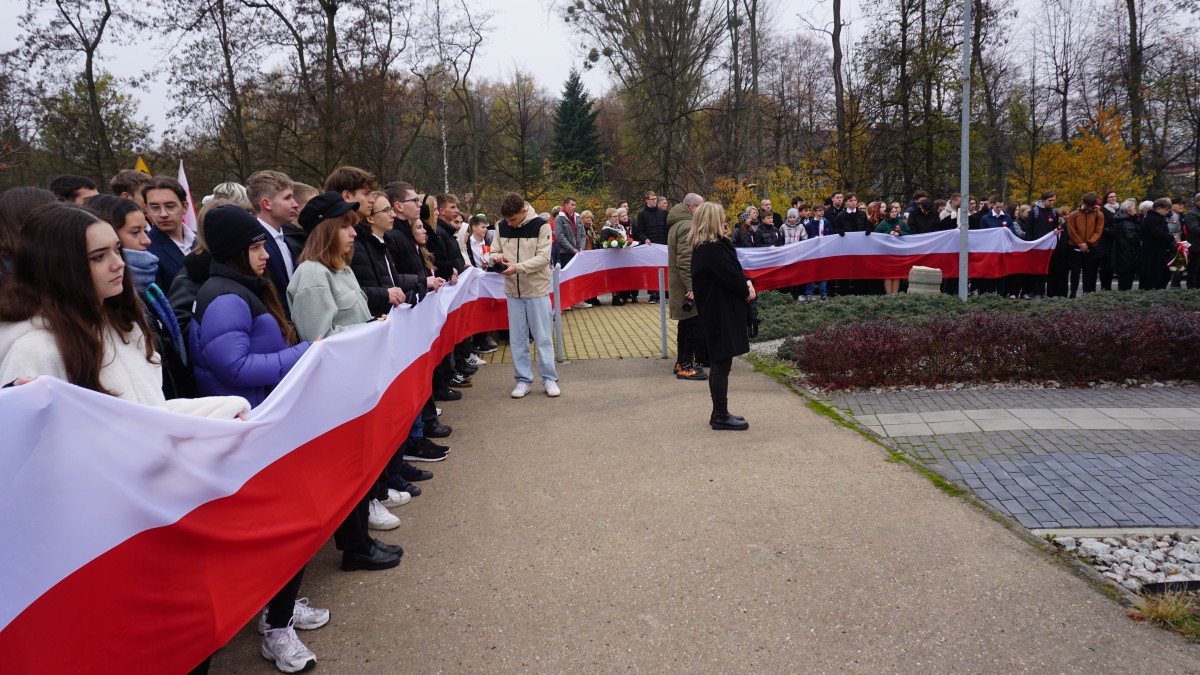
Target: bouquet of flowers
{"points": [[1180, 260], [617, 242]]}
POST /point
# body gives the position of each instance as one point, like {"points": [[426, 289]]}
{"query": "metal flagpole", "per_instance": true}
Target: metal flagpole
{"points": [[964, 178], [662, 312], [558, 315]]}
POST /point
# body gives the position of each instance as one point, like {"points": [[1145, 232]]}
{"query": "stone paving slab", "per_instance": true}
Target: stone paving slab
{"points": [[607, 332], [1054, 458]]}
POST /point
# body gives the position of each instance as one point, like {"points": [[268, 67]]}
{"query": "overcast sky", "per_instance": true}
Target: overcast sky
{"points": [[526, 35]]}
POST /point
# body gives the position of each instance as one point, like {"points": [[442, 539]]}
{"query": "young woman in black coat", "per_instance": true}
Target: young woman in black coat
{"points": [[1157, 247], [722, 292]]}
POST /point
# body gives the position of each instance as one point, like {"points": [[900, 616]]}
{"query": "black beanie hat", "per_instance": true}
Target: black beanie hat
{"points": [[322, 207], [229, 229]]}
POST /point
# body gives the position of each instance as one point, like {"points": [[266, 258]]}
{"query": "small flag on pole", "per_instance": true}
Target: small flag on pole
{"points": [[141, 166], [189, 214]]}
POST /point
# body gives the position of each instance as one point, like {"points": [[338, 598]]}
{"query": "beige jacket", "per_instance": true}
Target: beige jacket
{"points": [[526, 246]]}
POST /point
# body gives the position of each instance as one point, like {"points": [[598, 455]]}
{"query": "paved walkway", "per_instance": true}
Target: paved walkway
{"points": [[611, 530], [1054, 458], [607, 332]]}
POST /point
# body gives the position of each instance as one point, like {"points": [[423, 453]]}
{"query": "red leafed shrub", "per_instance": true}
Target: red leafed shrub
{"points": [[1072, 347]]}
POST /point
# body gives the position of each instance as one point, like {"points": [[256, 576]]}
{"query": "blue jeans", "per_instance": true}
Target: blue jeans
{"points": [[809, 288], [524, 315]]}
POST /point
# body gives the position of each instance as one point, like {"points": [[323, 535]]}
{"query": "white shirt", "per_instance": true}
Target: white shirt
{"points": [[477, 249], [189, 239], [281, 241]]}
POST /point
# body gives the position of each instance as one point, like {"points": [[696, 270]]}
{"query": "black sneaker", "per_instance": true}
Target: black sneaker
{"points": [[426, 443], [411, 473], [467, 370], [397, 481], [423, 453], [487, 347], [446, 395], [438, 430]]}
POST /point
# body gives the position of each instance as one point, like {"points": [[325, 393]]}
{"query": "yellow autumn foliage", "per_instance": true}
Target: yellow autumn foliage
{"points": [[1096, 160]]}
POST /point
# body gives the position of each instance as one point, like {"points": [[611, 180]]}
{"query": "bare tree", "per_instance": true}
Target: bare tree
{"points": [[58, 33], [660, 51]]}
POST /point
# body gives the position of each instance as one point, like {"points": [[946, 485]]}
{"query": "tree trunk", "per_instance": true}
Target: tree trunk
{"points": [[839, 93], [236, 112], [1134, 85]]}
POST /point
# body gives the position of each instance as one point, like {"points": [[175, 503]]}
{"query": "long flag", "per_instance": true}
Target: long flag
{"points": [[994, 253], [192, 524], [189, 213]]}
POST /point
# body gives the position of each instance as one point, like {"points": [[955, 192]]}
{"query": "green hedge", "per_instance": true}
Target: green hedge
{"points": [[782, 316]]}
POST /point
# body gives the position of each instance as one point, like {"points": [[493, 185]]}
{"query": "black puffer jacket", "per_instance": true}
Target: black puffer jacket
{"points": [[651, 224], [405, 256], [376, 273], [767, 235], [1125, 242], [921, 222]]}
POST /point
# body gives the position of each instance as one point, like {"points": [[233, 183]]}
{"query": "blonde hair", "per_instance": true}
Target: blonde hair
{"points": [[708, 224], [587, 214], [610, 212]]}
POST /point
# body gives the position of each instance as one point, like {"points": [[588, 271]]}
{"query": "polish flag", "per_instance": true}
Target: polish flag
{"points": [[189, 213]]}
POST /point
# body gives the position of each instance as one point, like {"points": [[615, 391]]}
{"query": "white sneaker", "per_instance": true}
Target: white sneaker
{"points": [[520, 390], [282, 646], [303, 617], [475, 360], [395, 498], [582, 305], [552, 389], [378, 517]]}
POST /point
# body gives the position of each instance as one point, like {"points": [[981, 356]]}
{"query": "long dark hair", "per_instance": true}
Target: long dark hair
{"points": [[111, 208], [53, 279], [15, 206], [240, 261]]}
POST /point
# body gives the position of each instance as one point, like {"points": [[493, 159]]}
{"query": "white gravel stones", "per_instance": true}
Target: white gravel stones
{"points": [[1134, 560]]}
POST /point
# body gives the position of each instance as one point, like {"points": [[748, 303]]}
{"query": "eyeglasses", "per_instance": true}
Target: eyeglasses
{"points": [[169, 207], [386, 209], [415, 200]]}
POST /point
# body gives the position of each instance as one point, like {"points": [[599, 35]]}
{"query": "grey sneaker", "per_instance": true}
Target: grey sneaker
{"points": [[282, 646], [303, 617]]}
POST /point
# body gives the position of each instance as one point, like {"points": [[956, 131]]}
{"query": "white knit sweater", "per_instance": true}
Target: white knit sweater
{"points": [[28, 349]]}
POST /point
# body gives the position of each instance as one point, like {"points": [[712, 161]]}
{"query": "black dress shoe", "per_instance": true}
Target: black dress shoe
{"points": [[410, 472], [372, 559], [438, 430], [467, 369], [727, 422], [388, 548], [446, 395]]}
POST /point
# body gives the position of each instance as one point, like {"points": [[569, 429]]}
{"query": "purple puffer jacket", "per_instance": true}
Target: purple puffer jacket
{"points": [[236, 346]]}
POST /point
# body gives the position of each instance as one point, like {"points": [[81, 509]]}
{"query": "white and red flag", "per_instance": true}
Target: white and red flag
{"points": [[189, 209]]}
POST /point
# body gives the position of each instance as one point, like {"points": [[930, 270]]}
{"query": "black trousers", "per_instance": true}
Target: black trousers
{"points": [[1125, 281], [1193, 268], [718, 385], [1085, 265], [689, 342], [1060, 271], [352, 534], [280, 608]]}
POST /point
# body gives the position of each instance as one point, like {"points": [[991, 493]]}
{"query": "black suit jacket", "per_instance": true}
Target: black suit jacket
{"points": [[170, 258]]}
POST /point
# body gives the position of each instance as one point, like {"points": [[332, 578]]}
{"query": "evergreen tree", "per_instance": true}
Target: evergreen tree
{"points": [[576, 148]]}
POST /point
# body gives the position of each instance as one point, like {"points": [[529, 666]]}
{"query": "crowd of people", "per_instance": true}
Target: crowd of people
{"points": [[115, 293], [1098, 240]]}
